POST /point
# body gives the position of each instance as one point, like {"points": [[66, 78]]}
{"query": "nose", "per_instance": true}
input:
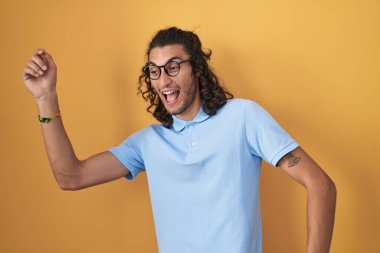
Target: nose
{"points": [[164, 79]]}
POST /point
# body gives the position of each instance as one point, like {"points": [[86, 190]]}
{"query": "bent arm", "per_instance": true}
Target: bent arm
{"points": [[70, 172], [40, 78], [321, 198]]}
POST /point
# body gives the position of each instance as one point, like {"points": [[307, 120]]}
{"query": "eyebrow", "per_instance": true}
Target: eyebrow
{"points": [[171, 59]]}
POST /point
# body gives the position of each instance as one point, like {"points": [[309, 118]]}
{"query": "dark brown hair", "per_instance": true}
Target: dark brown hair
{"points": [[213, 95]]}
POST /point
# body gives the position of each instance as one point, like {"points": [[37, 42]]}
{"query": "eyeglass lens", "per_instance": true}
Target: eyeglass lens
{"points": [[171, 68]]}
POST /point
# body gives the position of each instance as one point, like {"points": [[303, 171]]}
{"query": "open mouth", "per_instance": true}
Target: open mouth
{"points": [[171, 96]]}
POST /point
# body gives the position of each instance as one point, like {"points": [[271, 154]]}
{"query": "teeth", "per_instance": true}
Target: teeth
{"points": [[169, 92]]}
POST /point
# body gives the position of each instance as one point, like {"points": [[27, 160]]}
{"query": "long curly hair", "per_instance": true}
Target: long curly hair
{"points": [[213, 95]]}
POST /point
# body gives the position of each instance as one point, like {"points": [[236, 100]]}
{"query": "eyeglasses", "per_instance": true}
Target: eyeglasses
{"points": [[171, 68]]}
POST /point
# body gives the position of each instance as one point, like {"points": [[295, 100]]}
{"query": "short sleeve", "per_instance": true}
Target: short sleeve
{"points": [[129, 155], [266, 138]]}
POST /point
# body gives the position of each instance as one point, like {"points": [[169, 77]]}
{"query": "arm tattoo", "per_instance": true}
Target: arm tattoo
{"points": [[292, 160]]}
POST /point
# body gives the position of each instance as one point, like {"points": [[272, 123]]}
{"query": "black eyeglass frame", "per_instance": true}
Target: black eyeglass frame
{"points": [[147, 73]]}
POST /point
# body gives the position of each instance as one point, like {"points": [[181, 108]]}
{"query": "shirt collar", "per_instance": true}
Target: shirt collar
{"points": [[179, 124]]}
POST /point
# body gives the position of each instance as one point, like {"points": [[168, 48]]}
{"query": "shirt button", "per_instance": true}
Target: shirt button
{"points": [[191, 126], [193, 143]]}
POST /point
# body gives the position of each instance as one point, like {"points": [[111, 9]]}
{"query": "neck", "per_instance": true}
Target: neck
{"points": [[192, 111]]}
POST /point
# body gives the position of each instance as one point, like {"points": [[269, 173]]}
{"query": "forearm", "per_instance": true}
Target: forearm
{"points": [[320, 217], [62, 158]]}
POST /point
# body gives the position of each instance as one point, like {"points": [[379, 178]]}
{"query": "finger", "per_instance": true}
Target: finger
{"points": [[33, 72], [32, 65], [39, 51], [46, 57], [40, 63], [29, 73]]}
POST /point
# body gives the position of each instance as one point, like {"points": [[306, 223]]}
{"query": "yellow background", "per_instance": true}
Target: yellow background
{"points": [[314, 65]]}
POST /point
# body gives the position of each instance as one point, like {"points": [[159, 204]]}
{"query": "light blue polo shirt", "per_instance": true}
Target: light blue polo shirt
{"points": [[203, 176]]}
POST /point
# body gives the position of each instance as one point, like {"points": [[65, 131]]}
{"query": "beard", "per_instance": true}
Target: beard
{"points": [[186, 99]]}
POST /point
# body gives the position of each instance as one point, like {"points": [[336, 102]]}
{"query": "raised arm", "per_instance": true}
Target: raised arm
{"points": [[40, 77]]}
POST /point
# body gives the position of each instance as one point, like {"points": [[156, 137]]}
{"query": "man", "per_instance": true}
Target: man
{"points": [[202, 162]]}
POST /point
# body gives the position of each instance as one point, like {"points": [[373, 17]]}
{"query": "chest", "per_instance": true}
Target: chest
{"points": [[206, 145]]}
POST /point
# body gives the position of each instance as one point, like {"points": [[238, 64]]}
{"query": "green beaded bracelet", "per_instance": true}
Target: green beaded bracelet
{"points": [[48, 120]]}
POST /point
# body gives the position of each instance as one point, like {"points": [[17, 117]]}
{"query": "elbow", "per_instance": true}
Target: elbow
{"points": [[332, 186], [324, 190], [329, 185], [324, 184], [66, 178], [328, 192], [332, 190], [67, 187]]}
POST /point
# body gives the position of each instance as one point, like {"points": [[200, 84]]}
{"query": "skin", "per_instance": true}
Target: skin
{"points": [[40, 76], [321, 198], [188, 103]]}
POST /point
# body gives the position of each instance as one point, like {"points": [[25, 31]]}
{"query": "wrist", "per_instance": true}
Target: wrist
{"points": [[48, 119], [46, 97], [47, 104]]}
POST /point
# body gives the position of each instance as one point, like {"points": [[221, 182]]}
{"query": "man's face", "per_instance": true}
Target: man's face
{"points": [[180, 93]]}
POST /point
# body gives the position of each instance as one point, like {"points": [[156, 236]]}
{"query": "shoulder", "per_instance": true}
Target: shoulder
{"points": [[241, 104], [144, 134], [248, 111], [238, 110]]}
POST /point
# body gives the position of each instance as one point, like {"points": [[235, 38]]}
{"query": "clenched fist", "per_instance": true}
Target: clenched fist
{"points": [[40, 74]]}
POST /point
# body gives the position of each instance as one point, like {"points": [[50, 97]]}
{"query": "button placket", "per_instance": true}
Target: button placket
{"points": [[192, 141]]}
